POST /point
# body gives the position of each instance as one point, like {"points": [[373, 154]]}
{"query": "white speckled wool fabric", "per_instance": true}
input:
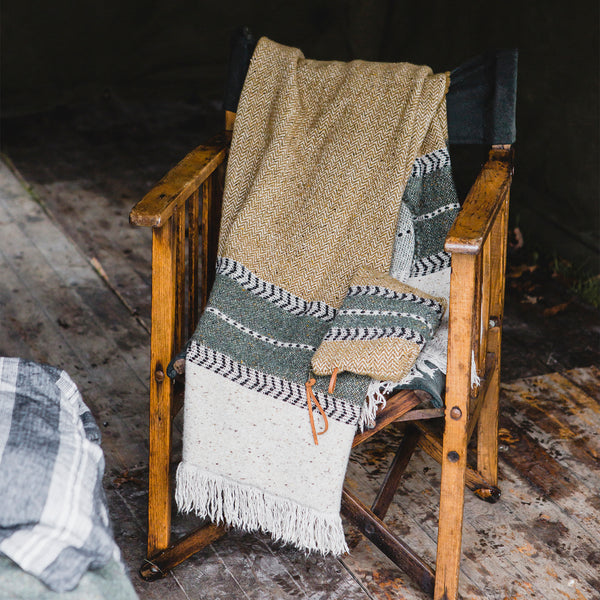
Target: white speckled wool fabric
{"points": [[320, 157]]}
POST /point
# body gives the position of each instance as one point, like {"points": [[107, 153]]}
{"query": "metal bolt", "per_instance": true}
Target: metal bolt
{"points": [[453, 456], [455, 413]]}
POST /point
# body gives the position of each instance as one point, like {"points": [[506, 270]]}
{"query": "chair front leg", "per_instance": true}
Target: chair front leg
{"points": [[454, 453], [161, 388]]}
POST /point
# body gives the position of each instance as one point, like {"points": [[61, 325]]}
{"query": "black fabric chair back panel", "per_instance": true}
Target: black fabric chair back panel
{"points": [[481, 100]]}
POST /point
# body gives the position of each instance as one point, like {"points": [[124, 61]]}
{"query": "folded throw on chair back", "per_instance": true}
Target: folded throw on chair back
{"points": [[320, 157]]}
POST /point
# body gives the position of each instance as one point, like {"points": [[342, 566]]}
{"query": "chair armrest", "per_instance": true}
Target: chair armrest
{"points": [[155, 208], [475, 220]]}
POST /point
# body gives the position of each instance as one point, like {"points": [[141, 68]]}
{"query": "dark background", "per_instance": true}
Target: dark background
{"points": [[60, 54]]}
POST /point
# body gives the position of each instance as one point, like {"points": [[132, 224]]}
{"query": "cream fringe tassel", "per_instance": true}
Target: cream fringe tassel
{"points": [[375, 400], [225, 501]]}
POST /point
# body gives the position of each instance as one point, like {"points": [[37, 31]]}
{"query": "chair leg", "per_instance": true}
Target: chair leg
{"points": [[374, 529], [161, 389], [452, 495], [159, 486], [392, 479], [461, 333]]}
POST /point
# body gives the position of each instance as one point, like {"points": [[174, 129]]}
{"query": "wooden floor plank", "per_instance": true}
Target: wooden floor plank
{"points": [[70, 339], [555, 550], [102, 231], [76, 339], [71, 267], [588, 379], [553, 440]]}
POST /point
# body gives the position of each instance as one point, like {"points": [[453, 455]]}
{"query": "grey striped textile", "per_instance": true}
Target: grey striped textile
{"points": [[54, 519]]}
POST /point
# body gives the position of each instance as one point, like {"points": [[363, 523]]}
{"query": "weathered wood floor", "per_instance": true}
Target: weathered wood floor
{"points": [[74, 293]]}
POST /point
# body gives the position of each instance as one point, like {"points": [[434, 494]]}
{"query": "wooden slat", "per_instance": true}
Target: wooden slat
{"points": [[161, 389], [486, 292], [420, 414], [159, 565], [487, 427], [484, 200], [229, 120], [193, 260], [396, 406], [207, 197], [179, 229], [476, 331], [477, 403], [179, 183]]}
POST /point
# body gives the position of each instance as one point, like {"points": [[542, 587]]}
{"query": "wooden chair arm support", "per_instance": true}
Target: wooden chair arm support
{"points": [[476, 218], [155, 208]]}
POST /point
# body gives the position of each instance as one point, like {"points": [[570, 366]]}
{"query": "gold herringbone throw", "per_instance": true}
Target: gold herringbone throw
{"points": [[320, 156]]}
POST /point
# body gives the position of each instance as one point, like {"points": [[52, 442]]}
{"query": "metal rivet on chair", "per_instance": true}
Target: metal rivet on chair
{"points": [[455, 413], [453, 456]]}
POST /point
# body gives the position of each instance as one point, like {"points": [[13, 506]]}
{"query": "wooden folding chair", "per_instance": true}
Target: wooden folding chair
{"points": [[184, 208]]}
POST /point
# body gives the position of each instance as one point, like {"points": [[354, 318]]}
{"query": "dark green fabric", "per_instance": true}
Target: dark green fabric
{"points": [[262, 317], [242, 48], [482, 99]]}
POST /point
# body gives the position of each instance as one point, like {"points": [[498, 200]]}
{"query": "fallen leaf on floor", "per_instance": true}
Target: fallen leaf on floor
{"points": [[506, 436], [125, 477], [517, 241], [518, 270], [554, 310], [530, 299]]}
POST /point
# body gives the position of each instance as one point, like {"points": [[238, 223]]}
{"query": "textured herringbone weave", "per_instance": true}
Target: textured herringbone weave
{"points": [[320, 157]]}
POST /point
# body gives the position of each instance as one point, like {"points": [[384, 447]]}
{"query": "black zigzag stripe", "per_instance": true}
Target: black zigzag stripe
{"points": [[383, 292], [430, 264], [345, 334], [279, 389], [430, 162], [272, 293]]}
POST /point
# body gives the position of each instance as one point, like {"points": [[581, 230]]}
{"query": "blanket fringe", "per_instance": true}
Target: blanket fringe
{"points": [[242, 506], [376, 399], [475, 379]]}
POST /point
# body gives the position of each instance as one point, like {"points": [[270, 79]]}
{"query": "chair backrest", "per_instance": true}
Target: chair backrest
{"points": [[481, 100]]}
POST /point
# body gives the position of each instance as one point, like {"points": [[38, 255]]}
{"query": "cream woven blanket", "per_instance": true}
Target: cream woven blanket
{"points": [[320, 157]]}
